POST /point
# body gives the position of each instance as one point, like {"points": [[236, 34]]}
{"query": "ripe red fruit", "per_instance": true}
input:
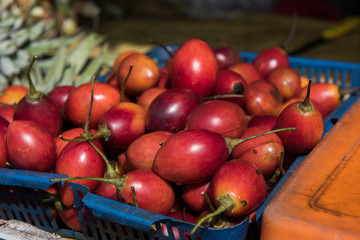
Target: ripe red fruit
{"points": [[59, 95], [7, 112], [194, 67], [230, 82], [236, 189], [193, 198], [264, 152], [267, 122], [223, 117], [142, 151], [286, 80], [169, 110], [3, 128], [77, 104], [327, 95], [247, 71], [145, 74], [270, 59], [263, 99], [148, 96], [126, 122], [153, 193], [308, 122], [29, 146], [13, 94], [226, 57], [79, 159], [39, 108]]}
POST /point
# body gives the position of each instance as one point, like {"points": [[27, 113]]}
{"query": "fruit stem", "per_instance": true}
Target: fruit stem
{"points": [[110, 171], [231, 143], [122, 97], [163, 46], [73, 140], [118, 182], [211, 206], [236, 91], [306, 105], [33, 94], [220, 210], [87, 128], [282, 163], [134, 195], [343, 91]]}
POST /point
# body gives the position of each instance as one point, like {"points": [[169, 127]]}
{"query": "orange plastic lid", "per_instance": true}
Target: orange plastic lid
{"points": [[321, 200]]}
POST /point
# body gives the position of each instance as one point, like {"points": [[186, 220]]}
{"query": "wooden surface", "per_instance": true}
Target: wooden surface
{"points": [[321, 200], [247, 32]]}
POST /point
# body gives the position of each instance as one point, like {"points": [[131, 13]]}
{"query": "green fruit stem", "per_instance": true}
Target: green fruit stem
{"points": [[119, 181], [226, 204], [208, 201], [232, 143], [134, 195], [122, 97], [33, 94]]}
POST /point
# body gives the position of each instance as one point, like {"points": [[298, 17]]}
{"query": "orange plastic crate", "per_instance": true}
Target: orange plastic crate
{"points": [[321, 200]]}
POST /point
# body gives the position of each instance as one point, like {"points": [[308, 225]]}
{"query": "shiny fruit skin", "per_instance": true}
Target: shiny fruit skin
{"points": [[76, 160], [264, 121], [169, 110], [190, 156], [263, 99], [153, 192], [194, 67], [191, 194], [126, 122], [29, 146], [286, 80], [7, 112], [327, 95], [264, 151], [148, 96], [42, 111], [145, 74], [3, 128], [223, 117], [242, 181], [270, 59], [13, 94], [68, 134], [226, 57], [77, 104], [59, 95], [121, 57], [226, 81], [309, 128], [247, 71], [141, 152]]}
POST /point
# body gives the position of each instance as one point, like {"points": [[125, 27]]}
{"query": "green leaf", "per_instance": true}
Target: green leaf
{"points": [[22, 59], [3, 82], [68, 76], [36, 30], [92, 68], [54, 73], [40, 47], [7, 67], [18, 23], [7, 47], [20, 37], [79, 57]]}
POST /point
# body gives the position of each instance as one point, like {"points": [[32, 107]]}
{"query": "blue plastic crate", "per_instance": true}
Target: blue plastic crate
{"points": [[22, 192]]}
